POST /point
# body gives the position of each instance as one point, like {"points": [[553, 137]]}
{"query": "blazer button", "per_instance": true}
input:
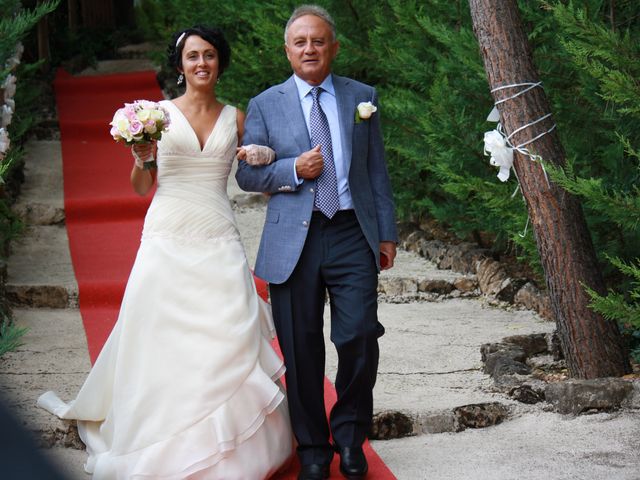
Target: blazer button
{"points": [[311, 190]]}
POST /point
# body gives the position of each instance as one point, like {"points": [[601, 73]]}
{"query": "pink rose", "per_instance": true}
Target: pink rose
{"points": [[135, 127]]}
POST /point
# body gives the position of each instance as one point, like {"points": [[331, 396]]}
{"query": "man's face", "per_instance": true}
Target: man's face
{"points": [[310, 48]]}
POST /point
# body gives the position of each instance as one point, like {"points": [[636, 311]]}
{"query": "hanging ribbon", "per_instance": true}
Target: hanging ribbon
{"points": [[498, 145]]}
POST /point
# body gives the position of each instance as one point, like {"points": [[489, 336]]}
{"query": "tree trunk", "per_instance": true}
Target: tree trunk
{"points": [[73, 8], [44, 53], [124, 13], [592, 346], [97, 14]]}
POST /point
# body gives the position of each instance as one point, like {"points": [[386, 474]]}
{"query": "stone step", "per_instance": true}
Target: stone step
{"points": [[431, 365], [126, 65], [39, 270], [138, 50], [388, 425], [41, 200], [53, 356]]}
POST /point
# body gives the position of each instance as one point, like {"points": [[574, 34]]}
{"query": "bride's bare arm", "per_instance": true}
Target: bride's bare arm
{"points": [[142, 180], [240, 119]]}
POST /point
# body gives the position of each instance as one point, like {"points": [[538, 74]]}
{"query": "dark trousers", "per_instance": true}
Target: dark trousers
{"points": [[336, 258]]}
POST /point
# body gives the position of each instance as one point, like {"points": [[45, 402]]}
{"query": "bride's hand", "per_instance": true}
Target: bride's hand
{"points": [[256, 154], [142, 152]]}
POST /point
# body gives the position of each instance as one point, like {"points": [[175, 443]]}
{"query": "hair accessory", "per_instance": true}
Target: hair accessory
{"points": [[180, 38], [180, 79]]}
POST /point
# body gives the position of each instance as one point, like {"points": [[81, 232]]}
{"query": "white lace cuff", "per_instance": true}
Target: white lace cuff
{"points": [[259, 154]]}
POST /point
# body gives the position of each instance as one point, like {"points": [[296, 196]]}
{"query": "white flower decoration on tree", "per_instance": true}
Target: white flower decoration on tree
{"points": [[14, 60], [6, 112], [9, 87], [495, 144], [4, 141], [365, 110]]}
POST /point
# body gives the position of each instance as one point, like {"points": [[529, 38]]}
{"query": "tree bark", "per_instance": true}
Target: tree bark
{"points": [[73, 8], [592, 346], [98, 14], [44, 52]]}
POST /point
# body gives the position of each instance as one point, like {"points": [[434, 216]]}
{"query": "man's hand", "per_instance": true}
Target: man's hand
{"points": [[309, 164], [387, 255]]}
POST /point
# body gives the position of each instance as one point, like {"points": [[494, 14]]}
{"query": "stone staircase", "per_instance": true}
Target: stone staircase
{"points": [[44, 295]]}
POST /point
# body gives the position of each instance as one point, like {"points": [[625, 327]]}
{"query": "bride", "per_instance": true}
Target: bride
{"points": [[187, 386]]}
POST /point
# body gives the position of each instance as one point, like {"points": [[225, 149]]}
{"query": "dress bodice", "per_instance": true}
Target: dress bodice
{"points": [[191, 199], [182, 161]]}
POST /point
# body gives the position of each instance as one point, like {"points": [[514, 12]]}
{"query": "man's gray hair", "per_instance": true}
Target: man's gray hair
{"points": [[316, 10]]}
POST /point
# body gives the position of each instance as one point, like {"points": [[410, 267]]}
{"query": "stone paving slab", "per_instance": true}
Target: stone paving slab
{"points": [[41, 199], [54, 357], [40, 272], [539, 446], [69, 462], [430, 353]]}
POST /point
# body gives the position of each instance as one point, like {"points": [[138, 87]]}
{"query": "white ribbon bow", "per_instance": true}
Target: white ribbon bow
{"points": [[495, 144]]}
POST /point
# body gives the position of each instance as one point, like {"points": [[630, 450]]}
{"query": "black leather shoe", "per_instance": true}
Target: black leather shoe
{"points": [[353, 463], [314, 471]]}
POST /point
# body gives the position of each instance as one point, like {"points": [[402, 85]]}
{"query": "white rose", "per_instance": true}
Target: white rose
{"points": [[147, 105], [143, 115], [366, 109], [150, 127], [156, 115]]}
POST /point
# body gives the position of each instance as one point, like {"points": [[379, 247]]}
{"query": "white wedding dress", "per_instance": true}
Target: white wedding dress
{"points": [[185, 386]]}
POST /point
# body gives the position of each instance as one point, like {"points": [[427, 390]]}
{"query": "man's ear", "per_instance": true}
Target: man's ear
{"points": [[286, 50]]}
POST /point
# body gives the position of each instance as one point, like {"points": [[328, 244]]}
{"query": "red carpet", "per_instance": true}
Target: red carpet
{"points": [[104, 216]]}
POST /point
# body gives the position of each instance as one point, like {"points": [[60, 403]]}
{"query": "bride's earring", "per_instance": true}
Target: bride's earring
{"points": [[180, 79]]}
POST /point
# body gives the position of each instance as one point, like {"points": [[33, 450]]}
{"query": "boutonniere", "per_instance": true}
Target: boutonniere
{"points": [[364, 111]]}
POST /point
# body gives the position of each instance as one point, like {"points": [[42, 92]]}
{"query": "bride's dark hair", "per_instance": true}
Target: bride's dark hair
{"points": [[212, 35]]}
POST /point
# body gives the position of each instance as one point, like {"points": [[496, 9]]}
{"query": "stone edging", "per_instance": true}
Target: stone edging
{"points": [[493, 280], [531, 369]]}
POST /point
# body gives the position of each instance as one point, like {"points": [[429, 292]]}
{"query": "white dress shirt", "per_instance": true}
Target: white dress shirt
{"points": [[330, 108]]}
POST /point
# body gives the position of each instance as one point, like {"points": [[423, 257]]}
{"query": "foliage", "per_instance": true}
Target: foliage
{"points": [[15, 23], [10, 336], [625, 309], [607, 58]]}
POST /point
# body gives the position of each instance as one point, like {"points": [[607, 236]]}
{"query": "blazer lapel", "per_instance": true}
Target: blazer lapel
{"points": [[346, 102], [292, 110]]}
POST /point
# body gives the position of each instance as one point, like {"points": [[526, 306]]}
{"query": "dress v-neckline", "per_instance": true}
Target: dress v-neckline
{"points": [[201, 148]]}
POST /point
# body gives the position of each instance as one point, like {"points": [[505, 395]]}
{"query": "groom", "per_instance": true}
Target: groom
{"points": [[329, 226]]}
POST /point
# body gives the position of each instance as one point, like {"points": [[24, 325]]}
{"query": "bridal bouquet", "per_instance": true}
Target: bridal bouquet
{"points": [[139, 122]]}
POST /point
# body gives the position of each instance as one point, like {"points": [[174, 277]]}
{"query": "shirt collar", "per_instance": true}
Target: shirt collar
{"points": [[304, 88]]}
